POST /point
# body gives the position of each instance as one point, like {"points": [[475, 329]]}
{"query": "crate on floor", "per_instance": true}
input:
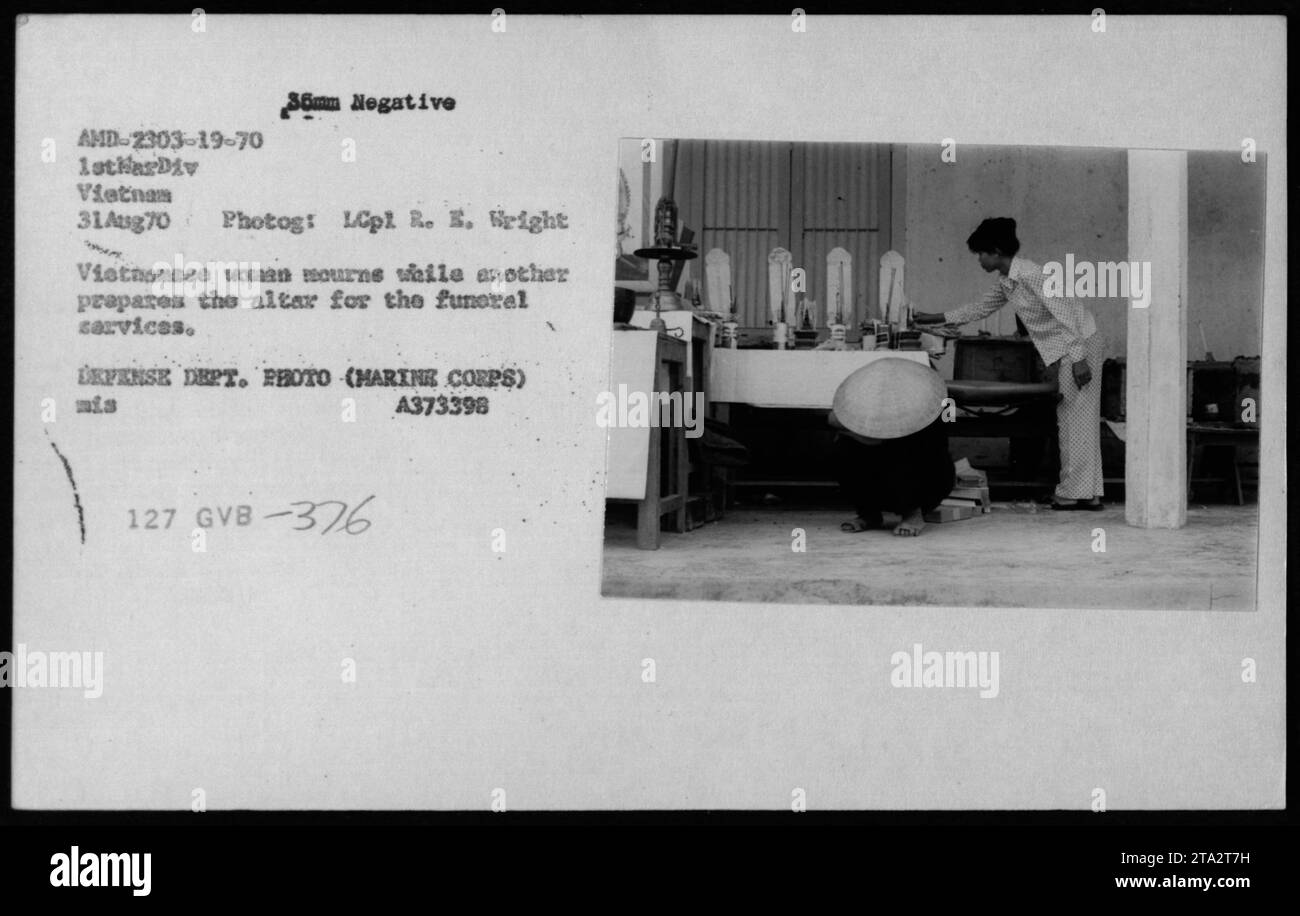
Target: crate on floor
{"points": [[977, 496], [945, 513]]}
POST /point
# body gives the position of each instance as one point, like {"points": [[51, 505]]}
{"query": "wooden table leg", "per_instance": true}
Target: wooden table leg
{"points": [[647, 513], [682, 455]]}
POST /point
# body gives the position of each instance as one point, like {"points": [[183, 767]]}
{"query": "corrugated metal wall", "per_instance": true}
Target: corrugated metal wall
{"points": [[843, 206], [741, 204], [750, 197]]}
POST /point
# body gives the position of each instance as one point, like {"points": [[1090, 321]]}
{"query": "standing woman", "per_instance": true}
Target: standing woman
{"points": [[1065, 334]]}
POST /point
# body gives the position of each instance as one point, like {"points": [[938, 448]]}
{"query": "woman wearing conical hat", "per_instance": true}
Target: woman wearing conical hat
{"points": [[892, 451], [1066, 337]]}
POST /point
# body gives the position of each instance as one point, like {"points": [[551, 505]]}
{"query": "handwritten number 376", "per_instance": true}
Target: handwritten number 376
{"points": [[352, 525]]}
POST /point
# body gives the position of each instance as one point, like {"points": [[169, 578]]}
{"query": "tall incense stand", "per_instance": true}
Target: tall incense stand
{"points": [[665, 250]]}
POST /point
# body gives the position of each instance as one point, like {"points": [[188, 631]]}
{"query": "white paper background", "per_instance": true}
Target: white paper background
{"points": [[479, 670]]}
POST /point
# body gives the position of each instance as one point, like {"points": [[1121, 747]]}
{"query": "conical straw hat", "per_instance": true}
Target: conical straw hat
{"points": [[889, 398]]}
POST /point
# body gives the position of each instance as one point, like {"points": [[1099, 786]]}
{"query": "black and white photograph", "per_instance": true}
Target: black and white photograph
{"points": [[440, 418], [1037, 368]]}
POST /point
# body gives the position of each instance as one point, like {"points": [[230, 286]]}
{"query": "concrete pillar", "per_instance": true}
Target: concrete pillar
{"points": [[1155, 470]]}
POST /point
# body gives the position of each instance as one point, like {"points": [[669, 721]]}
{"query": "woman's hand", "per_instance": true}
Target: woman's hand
{"points": [[1082, 373]]}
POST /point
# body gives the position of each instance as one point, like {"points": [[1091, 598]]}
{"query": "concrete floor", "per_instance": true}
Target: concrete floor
{"points": [[1020, 555]]}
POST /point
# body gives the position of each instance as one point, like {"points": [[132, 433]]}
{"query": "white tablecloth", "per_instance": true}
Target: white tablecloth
{"points": [[790, 378]]}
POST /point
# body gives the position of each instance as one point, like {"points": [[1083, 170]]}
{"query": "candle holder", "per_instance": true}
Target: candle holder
{"points": [[805, 335], [731, 328], [665, 251]]}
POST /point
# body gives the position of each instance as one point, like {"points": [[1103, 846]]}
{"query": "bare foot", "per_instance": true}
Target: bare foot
{"points": [[911, 525], [862, 524]]}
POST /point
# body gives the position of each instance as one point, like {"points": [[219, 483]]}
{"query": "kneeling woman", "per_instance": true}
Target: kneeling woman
{"points": [[1065, 334], [892, 451]]}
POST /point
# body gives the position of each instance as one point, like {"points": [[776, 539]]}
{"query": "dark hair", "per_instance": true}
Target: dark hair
{"points": [[995, 235]]}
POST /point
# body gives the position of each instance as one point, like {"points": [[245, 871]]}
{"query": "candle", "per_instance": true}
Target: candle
{"points": [[839, 298]]}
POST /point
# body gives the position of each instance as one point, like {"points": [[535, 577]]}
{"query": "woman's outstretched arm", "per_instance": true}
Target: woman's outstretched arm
{"points": [[993, 300]]}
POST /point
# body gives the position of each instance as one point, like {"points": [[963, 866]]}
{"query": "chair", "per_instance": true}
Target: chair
{"points": [[1002, 390]]}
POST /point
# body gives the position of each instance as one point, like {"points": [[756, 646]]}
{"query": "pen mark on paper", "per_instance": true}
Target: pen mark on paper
{"points": [[76, 497], [100, 248]]}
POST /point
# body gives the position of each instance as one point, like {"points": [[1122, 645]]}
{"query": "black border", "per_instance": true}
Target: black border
{"points": [[1063, 848]]}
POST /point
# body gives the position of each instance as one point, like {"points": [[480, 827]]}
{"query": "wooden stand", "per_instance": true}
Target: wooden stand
{"points": [[659, 486], [667, 470], [706, 485]]}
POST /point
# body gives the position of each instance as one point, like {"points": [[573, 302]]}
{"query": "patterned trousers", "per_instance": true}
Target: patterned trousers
{"points": [[1078, 422]]}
